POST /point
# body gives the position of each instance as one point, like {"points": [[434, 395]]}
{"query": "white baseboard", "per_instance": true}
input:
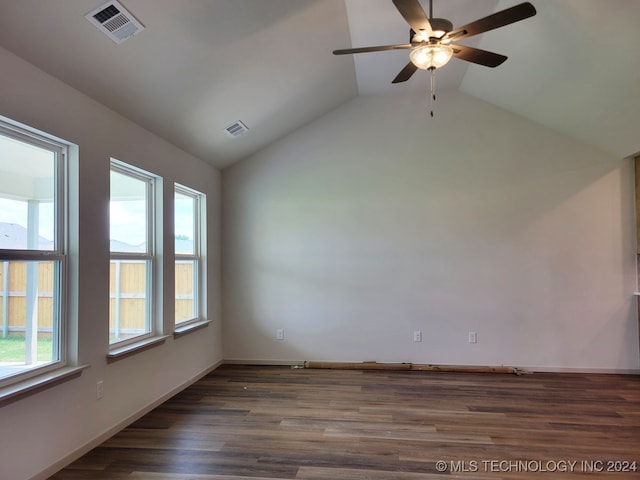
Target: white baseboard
{"points": [[86, 448], [608, 371]]}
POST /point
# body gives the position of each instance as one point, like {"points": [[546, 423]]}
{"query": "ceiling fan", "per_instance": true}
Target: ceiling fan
{"points": [[431, 40]]}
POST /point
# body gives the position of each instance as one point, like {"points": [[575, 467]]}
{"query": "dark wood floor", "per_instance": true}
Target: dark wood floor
{"points": [[244, 422]]}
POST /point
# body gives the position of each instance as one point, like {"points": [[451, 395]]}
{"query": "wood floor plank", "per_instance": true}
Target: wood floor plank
{"points": [[189, 476], [278, 423]]}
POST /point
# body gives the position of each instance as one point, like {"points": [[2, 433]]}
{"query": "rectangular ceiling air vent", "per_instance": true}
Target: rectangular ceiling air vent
{"points": [[115, 21], [236, 129]]}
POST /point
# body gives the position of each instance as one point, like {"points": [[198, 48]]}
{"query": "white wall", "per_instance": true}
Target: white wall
{"points": [[41, 431], [376, 221], [370, 223]]}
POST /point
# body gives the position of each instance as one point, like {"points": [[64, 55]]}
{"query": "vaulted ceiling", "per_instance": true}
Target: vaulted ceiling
{"points": [[201, 65]]}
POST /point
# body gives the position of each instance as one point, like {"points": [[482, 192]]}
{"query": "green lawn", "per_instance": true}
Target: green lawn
{"points": [[13, 350]]}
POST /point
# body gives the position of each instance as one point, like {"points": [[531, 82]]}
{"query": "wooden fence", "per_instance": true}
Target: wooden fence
{"points": [[127, 313], [13, 297]]}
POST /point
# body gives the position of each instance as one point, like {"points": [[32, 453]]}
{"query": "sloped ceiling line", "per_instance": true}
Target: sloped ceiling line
{"points": [[200, 65]]}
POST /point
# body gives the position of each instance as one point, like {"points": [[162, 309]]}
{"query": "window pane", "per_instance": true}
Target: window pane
{"points": [[186, 298], [28, 315], [27, 191], [187, 212], [128, 213], [184, 219], [128, 295]]}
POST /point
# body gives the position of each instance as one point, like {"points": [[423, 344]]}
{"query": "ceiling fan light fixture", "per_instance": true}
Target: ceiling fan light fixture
{"points": [[431, 56]]}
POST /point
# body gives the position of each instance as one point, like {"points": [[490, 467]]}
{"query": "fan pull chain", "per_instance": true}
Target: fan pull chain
{"points": [[433, 89]]}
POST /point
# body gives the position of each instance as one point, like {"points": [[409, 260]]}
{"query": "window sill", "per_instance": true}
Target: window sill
{"points": [[133, 348], [191, 327], [38, 384]]}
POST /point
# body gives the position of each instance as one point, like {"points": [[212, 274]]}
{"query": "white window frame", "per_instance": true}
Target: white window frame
{"points": [[59, 254], [152, 183], [199, 274]]}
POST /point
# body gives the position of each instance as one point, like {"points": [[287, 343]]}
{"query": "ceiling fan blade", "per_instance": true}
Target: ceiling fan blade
{"points": [[497, 20], [405, 73], [475, 55], [380, 48], [412, 12]]}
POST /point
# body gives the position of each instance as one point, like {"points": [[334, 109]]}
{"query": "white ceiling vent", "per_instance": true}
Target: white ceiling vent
{"points": [[115, 21], [236, 129]]}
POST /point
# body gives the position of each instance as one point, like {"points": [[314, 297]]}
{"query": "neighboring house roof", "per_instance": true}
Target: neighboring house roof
{"points": [[118, 246], [184, 246], [14, 237]]}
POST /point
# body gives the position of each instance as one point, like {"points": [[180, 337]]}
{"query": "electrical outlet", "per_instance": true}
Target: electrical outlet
{"points": [[473, 337], [99, 389], [417, 336], [280, 334]]}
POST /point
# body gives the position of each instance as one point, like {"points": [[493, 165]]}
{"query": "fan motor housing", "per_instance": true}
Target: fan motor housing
{"points": [[441, 25], [437, 25]]}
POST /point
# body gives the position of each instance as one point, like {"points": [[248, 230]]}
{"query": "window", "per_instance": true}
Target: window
{"points": [[132, 241], [33, 253], [189, 274]]}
